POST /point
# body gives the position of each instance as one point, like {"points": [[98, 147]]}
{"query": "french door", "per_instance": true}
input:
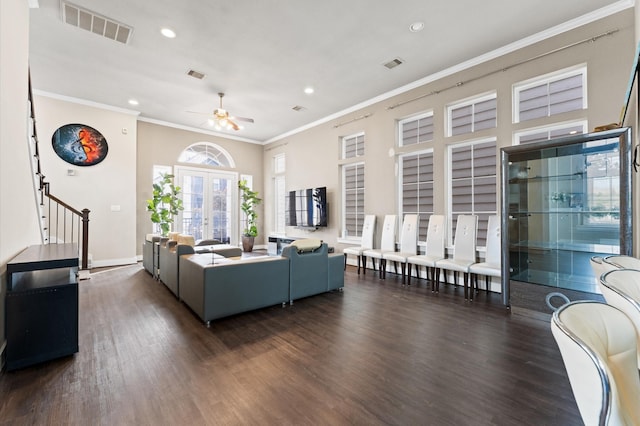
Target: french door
{"points": [[209, 200]]}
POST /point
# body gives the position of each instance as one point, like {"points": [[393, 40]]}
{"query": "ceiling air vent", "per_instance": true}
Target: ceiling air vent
{"points": [[298, 108], [196, 74], [97, 24], [393, 63]]}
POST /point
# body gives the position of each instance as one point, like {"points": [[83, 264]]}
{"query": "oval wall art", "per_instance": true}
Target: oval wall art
{"points": [[79, 144]]}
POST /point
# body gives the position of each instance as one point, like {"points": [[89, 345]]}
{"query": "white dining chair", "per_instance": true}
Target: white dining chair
{"points": [[408, 246], [434, 249], [387, 242], [464, 252], [366, 242], [491, 267]]}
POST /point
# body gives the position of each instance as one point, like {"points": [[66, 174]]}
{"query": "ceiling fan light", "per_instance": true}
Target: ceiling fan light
{"points": [[223, 122]]}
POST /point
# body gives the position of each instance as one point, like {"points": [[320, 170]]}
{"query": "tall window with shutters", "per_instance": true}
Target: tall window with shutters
{"points": [[473, 183], [352, 200], [550, 94], [472, 115], [279, 168], [416, 187], [352, 175]]}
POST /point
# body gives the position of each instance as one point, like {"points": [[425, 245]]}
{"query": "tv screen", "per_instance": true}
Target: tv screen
{"points": [[306, 208]]}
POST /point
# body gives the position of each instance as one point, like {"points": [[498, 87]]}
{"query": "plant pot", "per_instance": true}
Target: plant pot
{"points": [[247, 243]]}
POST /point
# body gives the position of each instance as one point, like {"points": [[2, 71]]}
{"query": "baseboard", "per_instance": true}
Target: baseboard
{"points": [[114, 262]]}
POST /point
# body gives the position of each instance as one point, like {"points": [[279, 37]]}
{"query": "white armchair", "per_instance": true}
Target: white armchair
{"points": [[598, 346], [621, 288]]}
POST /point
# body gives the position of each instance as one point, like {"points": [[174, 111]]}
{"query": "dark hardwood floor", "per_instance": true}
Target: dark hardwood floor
{"points": [[377, 353]]}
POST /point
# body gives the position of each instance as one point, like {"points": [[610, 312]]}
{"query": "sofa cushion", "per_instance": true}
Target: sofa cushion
{"points": [[307, 244], [186, 240]]}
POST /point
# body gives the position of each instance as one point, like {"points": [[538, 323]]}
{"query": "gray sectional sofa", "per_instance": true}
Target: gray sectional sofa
{"points": [[170, 255], [232, 286], [222, 287]]}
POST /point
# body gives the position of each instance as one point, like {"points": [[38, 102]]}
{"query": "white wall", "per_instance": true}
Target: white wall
{"points": [[110, 183], [18, 218]]}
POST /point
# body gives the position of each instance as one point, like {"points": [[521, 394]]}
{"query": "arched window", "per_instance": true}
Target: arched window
{"points": [[208, 154]]}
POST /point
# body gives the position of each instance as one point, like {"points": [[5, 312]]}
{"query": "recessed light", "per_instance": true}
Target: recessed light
{"points": [[416, 26], [133, 102], [168, 33], [308, 90]]}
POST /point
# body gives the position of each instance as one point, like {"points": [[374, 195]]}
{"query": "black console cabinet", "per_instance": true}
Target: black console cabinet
{"points": [[41, 312]]}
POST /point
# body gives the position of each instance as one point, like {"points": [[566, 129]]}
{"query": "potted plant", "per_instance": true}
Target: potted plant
{"points": [[249, 203], [165, 203]]}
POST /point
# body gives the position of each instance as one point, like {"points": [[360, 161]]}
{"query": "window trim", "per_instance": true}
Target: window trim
{"points": [[212, 145], [517, 88]]}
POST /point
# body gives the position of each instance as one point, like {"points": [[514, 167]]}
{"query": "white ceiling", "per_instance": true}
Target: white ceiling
{"points": [[263, 53]]}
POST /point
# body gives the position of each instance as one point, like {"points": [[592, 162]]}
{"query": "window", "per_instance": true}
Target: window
{"points": [[353, 146], [550, 132], [472, 115], [550, 94], [416, 130], [207, 154], [353, 200], [472, 186], [279, 193], [416, 188]]}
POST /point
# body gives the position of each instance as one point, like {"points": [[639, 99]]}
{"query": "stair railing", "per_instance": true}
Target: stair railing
{"points": [[60, 222]]}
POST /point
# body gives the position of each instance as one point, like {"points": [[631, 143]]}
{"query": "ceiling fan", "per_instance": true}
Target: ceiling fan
{"points": [[222, 120]]}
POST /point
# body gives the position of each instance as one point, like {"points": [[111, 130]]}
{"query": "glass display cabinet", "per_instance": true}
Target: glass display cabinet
{"points": [[564, 201]]}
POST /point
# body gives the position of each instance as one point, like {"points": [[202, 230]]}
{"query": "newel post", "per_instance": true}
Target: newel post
{"points": [[85, 238]]}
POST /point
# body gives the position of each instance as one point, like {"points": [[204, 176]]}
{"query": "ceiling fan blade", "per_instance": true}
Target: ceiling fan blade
{"points": [[233, 125], [248, 120], [199, 112]]}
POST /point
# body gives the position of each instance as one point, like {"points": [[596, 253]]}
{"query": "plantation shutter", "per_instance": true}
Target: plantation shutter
{"points": [[353, 199], [551, 98], [416, 131], [417, 188]]}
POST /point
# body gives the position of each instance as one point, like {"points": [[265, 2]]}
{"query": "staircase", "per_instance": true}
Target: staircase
{"points": [[59, 222]]}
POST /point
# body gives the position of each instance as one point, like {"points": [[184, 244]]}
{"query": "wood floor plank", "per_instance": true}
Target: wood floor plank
{"points": [[377, 353]]}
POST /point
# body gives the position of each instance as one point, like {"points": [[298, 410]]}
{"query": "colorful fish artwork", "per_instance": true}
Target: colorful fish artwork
{"points": [[79, 144]]}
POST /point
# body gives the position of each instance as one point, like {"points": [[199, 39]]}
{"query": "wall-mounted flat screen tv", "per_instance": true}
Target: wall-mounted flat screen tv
{"points": [[306, 208]]}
